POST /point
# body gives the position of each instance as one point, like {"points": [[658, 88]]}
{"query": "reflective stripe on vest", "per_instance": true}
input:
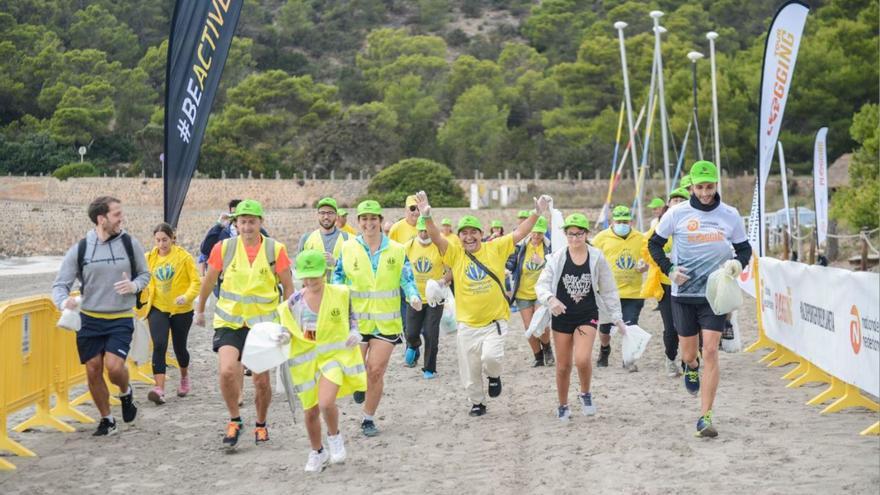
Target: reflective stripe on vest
{"points": [[238, 320], [382, 294], [249, 293], [375, 296], [247, 299], [377, 316]]}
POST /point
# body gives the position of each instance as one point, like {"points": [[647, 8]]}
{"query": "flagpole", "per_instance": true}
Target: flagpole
{"points": [[619, 26], [658, 30], [712, 35], [693, 57]]}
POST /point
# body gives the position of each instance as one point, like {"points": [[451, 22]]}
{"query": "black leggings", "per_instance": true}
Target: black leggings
{"points": [[670, 336], [179, 325], [424, 323]]}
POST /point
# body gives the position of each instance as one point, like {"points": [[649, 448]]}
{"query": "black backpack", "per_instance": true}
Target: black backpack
{"points": [[129, 251]]}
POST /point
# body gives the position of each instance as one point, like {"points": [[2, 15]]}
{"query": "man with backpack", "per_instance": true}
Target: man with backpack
{"points": [[111, 268], [213, 236]]}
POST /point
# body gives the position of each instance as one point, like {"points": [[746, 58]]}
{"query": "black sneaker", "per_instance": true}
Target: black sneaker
{"points": [[548, 355], [539, 360], [105, 428], [604, 352], [494, 387], [233, 431], [360, 397], [477, 410], [129, 410], [248, 372], [368, 428]]}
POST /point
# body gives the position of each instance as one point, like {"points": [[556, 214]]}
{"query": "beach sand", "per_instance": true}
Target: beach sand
{"points": [[641, 441]]}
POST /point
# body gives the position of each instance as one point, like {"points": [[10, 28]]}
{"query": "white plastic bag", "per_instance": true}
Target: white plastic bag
{"points": [[434, 293], [723, 292], [735, 344], [140, 342], [70, 319], [261, 352], [447, 321], [557, 235], [540, 322], [633, 344]]}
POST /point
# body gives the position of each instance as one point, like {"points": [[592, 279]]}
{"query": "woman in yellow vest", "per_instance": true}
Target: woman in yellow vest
{"points": [[622, 247], [658, 286], [324, 363], [427, 265], [375, 268], [169, 301], [252, 266], [327, 238]]}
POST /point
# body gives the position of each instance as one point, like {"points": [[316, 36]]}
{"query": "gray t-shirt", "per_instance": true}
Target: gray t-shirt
{"points": [[329, 240]]}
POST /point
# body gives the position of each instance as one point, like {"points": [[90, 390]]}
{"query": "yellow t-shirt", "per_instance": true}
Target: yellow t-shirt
{"points": [[173, 275], [622, 256], [478, 299], [530, 272], [451, 238], [426, 263], [402, 231]]}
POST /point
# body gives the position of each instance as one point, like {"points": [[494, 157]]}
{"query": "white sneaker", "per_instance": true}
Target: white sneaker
{"points": [[587, 406], [563, 414], [336, 446], [672, 368], [317, 461]]}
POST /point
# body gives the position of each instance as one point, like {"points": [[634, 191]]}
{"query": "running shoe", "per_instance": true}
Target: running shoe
{"points": [[563, 413], [587, 406], [233, 430], [317, 461], [129, 410], [672, 369], [494, 387], [105, 428], [692, 379], [411, 356], [337, 448], [359, 397], [429, 375], [184, 388], [477, 410], [548, 355], [261, 435], [705, 428], [604, 352], [368, 428], [157, 396]]}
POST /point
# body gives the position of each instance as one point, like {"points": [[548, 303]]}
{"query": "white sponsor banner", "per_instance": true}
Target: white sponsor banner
{"points": [[780, 54], [829, 316], [745, 280], [820, 184]]}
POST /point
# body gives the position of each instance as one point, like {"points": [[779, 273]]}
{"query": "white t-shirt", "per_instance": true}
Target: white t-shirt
{"points": [[702, 242]]}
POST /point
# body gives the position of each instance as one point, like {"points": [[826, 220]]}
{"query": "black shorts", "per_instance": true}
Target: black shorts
{"points": [[391, 339], [234, 337], [689, 319], [98, 336], [569, 326]]}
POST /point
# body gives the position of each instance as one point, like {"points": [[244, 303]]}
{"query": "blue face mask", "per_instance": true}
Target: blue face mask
{"points": [[621, 229]]}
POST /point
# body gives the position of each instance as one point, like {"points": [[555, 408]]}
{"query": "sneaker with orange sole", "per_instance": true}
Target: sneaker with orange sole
{"points": [[261, 434], [233, 430]]}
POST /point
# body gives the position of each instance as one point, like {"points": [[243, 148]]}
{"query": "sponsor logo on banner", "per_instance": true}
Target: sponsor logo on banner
{"points": [[863, 331], [818, 316], [783, 307], [855, 330]]}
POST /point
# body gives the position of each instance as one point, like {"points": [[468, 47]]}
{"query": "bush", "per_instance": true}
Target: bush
{"points": [[84, 169], [391, 186], [857, 204]]}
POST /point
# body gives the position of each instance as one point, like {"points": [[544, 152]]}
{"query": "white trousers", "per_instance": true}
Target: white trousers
{"points": [[480, 350]]}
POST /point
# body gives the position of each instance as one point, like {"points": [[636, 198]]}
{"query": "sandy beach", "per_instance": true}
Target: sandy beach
{"points": [[640, 441]]}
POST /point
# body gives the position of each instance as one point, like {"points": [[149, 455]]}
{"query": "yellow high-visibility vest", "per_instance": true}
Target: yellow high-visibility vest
{"points": [[249, 292], [327, 355], [375, 297], [315, 241]]}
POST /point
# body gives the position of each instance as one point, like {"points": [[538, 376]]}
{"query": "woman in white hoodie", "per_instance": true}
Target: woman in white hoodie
{"points": [[578, 288]]}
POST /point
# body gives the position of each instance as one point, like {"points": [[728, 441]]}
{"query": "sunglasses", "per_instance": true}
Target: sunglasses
{"points": [[413, 208]]}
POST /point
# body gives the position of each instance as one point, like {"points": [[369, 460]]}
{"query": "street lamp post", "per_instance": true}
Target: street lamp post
{"points": [[658, 30], [693, 57], [619, 26], [712, 36]]}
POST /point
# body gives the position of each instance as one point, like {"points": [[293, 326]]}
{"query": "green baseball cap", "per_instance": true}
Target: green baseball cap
{"points": [[681, 192], [621, 212], [496, 224], [369, 207], [342, 212], [576, 220], [249, 207], [446, 221], [420, 224], [656, 203], [686, 181], [469, 221], [523, 214], [310, 264], [540, 226], [703, 172], [328, 202]]}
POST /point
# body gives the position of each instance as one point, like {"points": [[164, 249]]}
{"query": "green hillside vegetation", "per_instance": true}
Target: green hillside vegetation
{"points": [[313, 86]]}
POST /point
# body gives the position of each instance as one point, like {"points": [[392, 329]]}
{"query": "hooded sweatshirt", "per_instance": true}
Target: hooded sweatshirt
{"points": [[103, 265]]}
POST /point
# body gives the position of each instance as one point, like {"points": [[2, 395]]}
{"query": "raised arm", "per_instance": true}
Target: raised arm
{"points": [[433, 232], [542, 204]]}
